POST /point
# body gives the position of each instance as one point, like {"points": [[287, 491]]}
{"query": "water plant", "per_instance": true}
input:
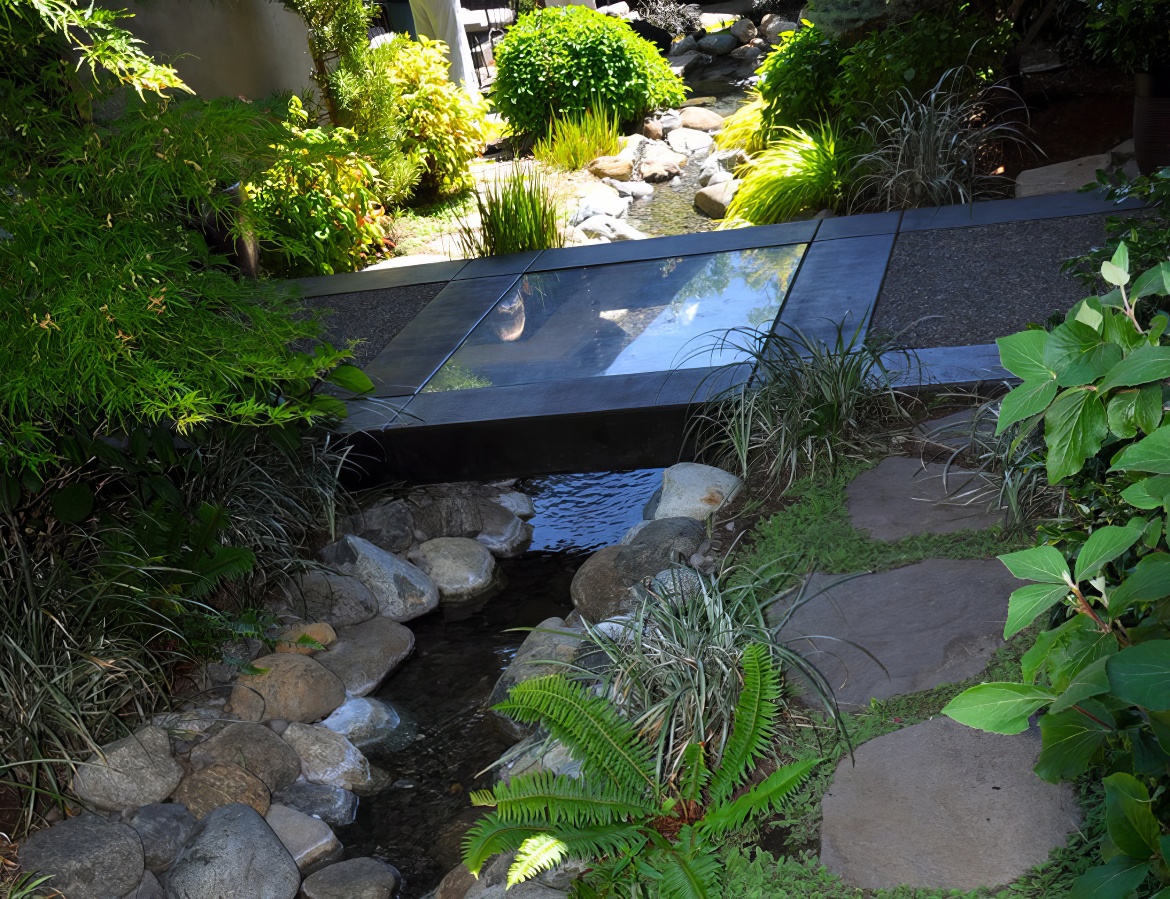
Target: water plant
{"points": [[573, 141], [517, 213]]}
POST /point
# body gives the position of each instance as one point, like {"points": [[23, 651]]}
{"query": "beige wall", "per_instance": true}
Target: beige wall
{"points": [[249, 48]]}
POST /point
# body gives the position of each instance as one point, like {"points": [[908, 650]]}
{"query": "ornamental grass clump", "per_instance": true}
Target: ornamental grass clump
{"points": [[517, 214], [574, 141]]}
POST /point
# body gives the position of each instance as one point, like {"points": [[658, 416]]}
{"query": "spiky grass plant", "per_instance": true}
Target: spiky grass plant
{"points": [[517, 213], [639, 830], [810, 404], [803, 171], [744, 128], [574, 141], [937, 149]]}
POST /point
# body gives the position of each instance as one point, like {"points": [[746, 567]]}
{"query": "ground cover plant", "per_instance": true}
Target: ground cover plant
{"points": [[1101, 674]]}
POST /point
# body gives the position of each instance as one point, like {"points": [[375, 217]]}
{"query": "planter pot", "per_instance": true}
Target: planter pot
{"points": [[1151, 121]]}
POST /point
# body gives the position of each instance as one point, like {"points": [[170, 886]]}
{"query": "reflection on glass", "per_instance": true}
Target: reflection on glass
{"points": [[649, 316]]}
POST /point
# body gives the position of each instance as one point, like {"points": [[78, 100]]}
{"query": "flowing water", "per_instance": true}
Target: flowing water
{"points": [[418, 823]]}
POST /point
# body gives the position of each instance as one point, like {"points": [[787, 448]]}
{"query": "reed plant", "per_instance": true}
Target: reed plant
{"points": [[517, 214], [573, 141]]}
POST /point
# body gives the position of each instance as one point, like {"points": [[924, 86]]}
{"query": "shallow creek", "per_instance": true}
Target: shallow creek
{"points": [[418, 823]]}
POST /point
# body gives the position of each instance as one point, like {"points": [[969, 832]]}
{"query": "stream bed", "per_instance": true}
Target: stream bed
{"points": [[418, 823]]}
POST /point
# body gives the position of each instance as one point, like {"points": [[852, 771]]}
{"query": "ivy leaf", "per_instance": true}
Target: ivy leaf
{"points": [[1028, 602], [1116, 879], [1143, 365], [1001, 708], [1150, 454], [1040, 563], [1140, 675], [1075, 427], [1070, 739], [1078, 354], [1103, 546], [1023, 355], [1027, 399], [1129, 818]]}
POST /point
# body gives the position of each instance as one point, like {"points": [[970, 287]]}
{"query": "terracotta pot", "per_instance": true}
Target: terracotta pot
{"points": [[1151, 121]]}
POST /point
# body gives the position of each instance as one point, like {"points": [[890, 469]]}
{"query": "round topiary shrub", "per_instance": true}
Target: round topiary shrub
{"points": [[560, 61]]}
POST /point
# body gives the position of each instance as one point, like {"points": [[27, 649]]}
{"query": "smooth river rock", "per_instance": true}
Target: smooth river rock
{"points": [[256, 749], [310, 841], [341, 599], [388, 524], [289, 686], [548, 643], [88, 857], [336, 806], [327, 757], [462, 569], [943, 806], [504, 533], [366, 654], [355, 878], [403, 591], [136, 770], [209, 788], [371, 725], [163, 828], [691, 490]]}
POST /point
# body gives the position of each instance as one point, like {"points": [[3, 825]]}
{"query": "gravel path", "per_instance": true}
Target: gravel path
{"points": [[372, 316], [965, 286]]}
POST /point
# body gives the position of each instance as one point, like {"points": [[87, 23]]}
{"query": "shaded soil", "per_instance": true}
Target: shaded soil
{"points": [[373, 317]]}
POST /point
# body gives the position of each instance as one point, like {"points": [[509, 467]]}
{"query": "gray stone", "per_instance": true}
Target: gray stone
{"points": [[943, 806], [618, 168], [719, 44], [744, 31], [901, 497], [462, 569], [600, 587], [336, 806], [519, 504], [660, 163], [504, 533], [678, 581], [209, 788], [772, 26], [720, 162], [388, 524], [355, 878], [602, 200], [233, 854], [364, 655], [747, 52], [1061, 177], [188, 723], [371, 725], [492, 883], [445, 511], [633, 532], [380, 781], [308, 840], [340, 599], [136, 770], [549, 643], [720, 178], [932, 623], [289, 686], [691, 490], [715, 199], [541, 754], [88, 857], [148, 888], [403, 591], [635, 189], [163, 828], [607, 227], [700, 119], [254, 748], [954, 431], [1122, 153], [327, 757], [682, 47], [688, 140]]}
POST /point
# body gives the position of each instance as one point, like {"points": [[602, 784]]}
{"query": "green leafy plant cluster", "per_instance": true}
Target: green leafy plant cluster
{"points": [[643, 834], [562, 61], [1101, 674], [517, 214], [574, 141], [1134, 34]]}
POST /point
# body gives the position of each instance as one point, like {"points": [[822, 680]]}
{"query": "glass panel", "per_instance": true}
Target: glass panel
{"points": [[656, 315]]}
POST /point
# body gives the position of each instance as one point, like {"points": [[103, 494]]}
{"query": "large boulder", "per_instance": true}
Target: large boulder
{"points": [[1060, 177], [719, 44], [691, 490], [308, 840], [617, 167], [462, 569], [371, 725], [688, 140], [341, 599], [88, 857], [233, 854], [773, 25], [136, 770], [388, 524], [504, 533], [306, 638], [403, 591], [163, 828], [209, 788], [700, 119], [336, 806], [355, 878], [148, 888], [366, 654], [715, 199], [446, 512], [519, 504], [288, 686], [254, 748], [549, 643], [660, 163], [600, 589], [327, 757]]}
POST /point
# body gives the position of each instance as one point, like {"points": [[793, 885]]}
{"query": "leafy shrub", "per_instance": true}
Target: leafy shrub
{"points": [[796, 79], [637, 828], [517, 214], [1101, 675], [574, 141], [936, 150], [562, 61], [1132, 33], [801, 171]]}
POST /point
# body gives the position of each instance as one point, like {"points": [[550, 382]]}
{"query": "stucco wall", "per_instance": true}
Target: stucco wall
{"points": [[248, 48]]}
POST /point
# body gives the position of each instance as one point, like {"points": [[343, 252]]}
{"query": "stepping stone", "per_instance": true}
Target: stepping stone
{"points": [[1061, 177], [901, 497], [932, 623], [943, 806], [954, 431]]}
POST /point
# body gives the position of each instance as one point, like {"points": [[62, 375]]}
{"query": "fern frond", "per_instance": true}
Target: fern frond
{"points": [[695, 774], [686, 869], [490, 836], [755, 722], [588, 725], [535, 855], [762, 798], [549, 800], [621, 841]]}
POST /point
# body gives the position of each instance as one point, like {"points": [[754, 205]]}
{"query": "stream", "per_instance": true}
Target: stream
{"points": [[418, 823]]}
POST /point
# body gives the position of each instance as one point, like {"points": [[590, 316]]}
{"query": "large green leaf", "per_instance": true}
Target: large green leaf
{"points": [[1149, 580], [1122, 413], [1103, 546], [1148, 493], [1028, 602], [1150, 454], [351, 378], [1131, 822], [1070, 739], [1141, 675], [1026, 400], [1148, 412], [1155, 282], [1078, 354], [1040, 563], [1143, 365], [1001, 708], [1090, 681], [1023, 355], [1075, 427], [1116, 879]]}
